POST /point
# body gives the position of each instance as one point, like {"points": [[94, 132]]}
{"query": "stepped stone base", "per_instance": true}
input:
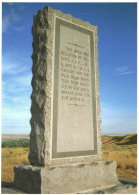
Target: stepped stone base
{"points": [[75, 178]]}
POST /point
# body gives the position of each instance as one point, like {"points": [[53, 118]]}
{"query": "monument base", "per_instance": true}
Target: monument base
{"points": [[75, 178]]}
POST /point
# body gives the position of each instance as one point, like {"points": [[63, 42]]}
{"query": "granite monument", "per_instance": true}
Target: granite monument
{"points": [[65, 138]]}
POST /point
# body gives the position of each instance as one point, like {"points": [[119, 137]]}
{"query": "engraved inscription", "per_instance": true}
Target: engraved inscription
{"points": [[75, 116], [75, 44], [75, 78]]}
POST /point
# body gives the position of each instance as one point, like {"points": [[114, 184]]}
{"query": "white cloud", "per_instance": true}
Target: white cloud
{"points": [[6, 22], [12, 68], [24, 80], [24, 113], [16, 99], [9, 18], [124, 70], [16, 88], [10, 4], [14, 62], [21, 7], [19, 28], [15, 16], [18, 85], [16, 115], [16, 109]]}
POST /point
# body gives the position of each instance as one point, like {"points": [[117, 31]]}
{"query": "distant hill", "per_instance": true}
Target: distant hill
{"points": [[112, 140], [15, 136], [128, 139]]}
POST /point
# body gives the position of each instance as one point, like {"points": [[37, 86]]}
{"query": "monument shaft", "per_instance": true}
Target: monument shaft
{"points": [[65, 138], [65, 123]]}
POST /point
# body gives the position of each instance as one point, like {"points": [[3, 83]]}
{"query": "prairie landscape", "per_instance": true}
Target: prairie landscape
{"points": [[122, 149]]}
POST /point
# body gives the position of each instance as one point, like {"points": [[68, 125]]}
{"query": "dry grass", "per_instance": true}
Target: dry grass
{"points": [[10, 157], [113, 149], [126, 163]]}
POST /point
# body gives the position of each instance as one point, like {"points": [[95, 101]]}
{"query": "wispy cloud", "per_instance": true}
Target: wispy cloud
{"points": [[12, 69], [21, 7], [19, 28], [6, 22], [17, 121], [124, 70], [23, 80], [17, 86], [14, 62], [10, 4], [9, 18], [16, 102]]}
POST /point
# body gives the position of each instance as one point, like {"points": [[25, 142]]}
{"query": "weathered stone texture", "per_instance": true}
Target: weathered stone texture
{"points": [[76, 178], [42, 84], [54, 174], [40, 96], [27, 178]]}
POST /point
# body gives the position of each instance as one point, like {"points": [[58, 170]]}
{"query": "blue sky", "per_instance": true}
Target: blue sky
{"points": [[117, 32]]}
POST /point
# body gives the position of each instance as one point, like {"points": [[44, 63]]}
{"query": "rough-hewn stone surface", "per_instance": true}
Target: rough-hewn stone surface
{"points": [[120, 188], [66, 179], [42, 94], [64, 174]]}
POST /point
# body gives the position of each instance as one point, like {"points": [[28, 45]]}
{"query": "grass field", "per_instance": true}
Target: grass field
{"points": [[122, 149], [10, 157]]}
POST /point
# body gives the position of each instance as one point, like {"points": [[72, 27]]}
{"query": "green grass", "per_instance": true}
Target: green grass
{"points": [[22, 143]]}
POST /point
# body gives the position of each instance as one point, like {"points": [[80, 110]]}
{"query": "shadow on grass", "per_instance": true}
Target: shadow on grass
{"points": [[118, 138], [129, 141], [7, 184], [114, 139]]}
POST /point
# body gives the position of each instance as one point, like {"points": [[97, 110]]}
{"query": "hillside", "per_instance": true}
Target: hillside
{"points": [[14, 136], [123, 150], [113, 140]]}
